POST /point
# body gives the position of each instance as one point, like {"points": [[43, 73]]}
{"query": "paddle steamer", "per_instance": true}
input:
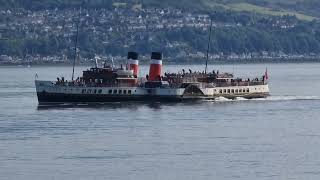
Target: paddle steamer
{"points": [[109, 84]]}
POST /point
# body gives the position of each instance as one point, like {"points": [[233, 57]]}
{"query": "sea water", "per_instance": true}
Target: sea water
{"points": [[273, 138]]}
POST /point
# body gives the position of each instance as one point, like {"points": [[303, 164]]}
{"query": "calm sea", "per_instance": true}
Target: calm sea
{"points": [[273, 138]]}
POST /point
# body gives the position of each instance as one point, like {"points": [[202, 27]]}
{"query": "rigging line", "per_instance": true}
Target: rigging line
{"points": [[76, 44], [208, 49]]}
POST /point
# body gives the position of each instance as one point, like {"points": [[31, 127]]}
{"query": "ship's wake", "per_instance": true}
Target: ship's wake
{"points": [[270, 98], [157, 105]]}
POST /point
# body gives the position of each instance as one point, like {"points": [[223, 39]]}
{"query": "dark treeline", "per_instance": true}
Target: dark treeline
{"points": [[51, 4], [311, 7]]}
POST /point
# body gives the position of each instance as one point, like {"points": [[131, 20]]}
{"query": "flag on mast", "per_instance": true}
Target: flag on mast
{"points": [[266, 76]]}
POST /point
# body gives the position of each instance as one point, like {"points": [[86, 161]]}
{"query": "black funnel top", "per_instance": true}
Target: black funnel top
{"points": [[133, 55], [156, 55]]}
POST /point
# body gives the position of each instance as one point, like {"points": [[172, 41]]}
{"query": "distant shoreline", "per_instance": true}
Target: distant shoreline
{"points": [[169, 62]]}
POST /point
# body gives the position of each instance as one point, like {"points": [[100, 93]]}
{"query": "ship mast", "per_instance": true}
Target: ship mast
{"points": [[76, 44], [208, 49]]}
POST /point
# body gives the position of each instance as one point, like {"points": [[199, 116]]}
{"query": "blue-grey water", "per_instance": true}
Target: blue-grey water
{"points": [[273, 138]]}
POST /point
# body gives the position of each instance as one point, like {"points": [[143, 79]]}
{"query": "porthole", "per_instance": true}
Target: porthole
{"points": [[248, 90]]}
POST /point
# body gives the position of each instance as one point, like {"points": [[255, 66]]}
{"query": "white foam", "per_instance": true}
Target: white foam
{"points": [[241, 99], [290, 98], [270, 98], [222, 99]]}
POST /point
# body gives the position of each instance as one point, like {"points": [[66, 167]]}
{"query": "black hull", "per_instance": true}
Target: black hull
{"points": [[59, 98]]}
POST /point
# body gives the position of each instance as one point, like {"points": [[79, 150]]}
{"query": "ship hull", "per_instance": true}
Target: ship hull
{"points": [[58, 98], [48, 93]]}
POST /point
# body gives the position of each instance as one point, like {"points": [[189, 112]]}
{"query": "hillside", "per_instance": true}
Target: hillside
{"points": [[303, 9], [243, 28]]}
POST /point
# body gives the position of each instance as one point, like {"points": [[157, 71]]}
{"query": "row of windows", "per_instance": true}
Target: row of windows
{"points": [[120, 91], [115, 91], [89, 91], [232, 91]]}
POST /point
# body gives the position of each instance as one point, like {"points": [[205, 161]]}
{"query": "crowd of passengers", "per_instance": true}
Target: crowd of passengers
{"points": [[80, 82], [174, 78], [193, 76]]}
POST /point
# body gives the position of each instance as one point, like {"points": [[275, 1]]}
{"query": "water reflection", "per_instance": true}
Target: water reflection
{"points": [[117, 105], [136, 105]]}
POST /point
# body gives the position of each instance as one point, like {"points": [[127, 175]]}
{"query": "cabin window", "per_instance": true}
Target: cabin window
{"points": [[220, 91], [120, 91], [110, 91], [232, 91], [89, 91], [124, 91], [115, 91], [129, 91], [100, 91], [237, 90], [95, 91], [248, 90], [240, 90], [224, 91], [229, 91], [83, 91]]}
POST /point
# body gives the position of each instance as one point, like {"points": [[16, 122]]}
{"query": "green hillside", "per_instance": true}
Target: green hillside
{"points": [[256, 26], [302, 9]]}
